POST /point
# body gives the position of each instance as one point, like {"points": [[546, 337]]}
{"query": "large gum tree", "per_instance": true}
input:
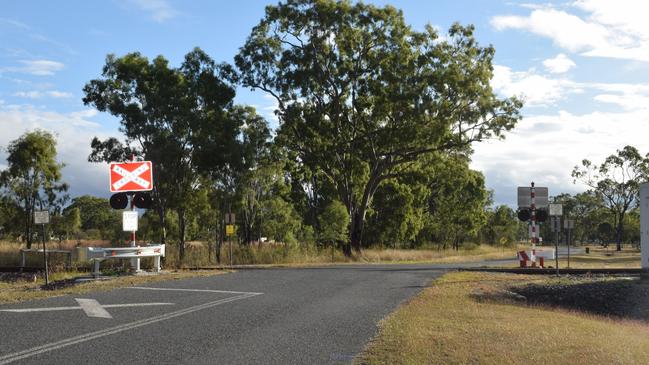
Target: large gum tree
{"points": [[361, 95]]}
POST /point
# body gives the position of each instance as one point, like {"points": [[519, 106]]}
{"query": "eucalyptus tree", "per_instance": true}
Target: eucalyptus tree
{"points": [[32, 179], [617, 182], [361, 95], [175, 117]]}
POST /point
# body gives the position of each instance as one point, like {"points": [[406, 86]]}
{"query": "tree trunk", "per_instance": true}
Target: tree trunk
{"points": [[28, 228], [181, 235], [356, 231], [163, 222], [620, 227]]}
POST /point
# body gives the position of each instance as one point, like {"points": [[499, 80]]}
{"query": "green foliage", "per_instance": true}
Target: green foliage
{"points": [[334, 223], [395, 219], [616, 181], [361, 95], [98, 219], [457, 202], [281, 220], [32, 178], [175, 117], [501, 227]]}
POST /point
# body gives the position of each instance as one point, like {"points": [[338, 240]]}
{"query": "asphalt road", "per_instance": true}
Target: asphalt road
{"points": [[276, 316]]}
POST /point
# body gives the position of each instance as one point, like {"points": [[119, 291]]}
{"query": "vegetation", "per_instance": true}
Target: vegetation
{"points": [[376, 127], [467, 318], [31, 181], [616, 182]]}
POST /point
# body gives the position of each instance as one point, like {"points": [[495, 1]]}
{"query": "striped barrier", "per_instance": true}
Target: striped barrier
{"points": [[99, 254]]}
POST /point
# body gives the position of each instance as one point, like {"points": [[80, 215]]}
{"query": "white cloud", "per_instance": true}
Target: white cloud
{"points": [[545, 149], [612, 29], [534, 89], [540, 90], [40, 94], [566, 30], [559, 64], [159, 10], [37, 67], [74, 131]]}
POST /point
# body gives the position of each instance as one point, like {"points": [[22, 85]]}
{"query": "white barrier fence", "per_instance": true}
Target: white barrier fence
{"points": [[546, 253], [99, 254]]}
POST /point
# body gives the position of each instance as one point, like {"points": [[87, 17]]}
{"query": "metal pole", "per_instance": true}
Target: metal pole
{"points": [[569, 239], [47, 278], [556, 224], [533, 221], [135, 263]]}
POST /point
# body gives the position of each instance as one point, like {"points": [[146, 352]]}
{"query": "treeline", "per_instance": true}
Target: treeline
{"points": [[375, 135], [376, 126]]}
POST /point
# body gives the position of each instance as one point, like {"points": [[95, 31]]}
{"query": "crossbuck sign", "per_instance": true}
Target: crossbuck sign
{"points": [[131, 176]]}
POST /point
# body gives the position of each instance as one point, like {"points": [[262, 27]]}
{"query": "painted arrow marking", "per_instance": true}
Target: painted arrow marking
{"points": [[90, 307]]}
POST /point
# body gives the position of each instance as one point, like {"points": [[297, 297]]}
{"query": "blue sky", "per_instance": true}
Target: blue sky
{"points": [[582, 67]]}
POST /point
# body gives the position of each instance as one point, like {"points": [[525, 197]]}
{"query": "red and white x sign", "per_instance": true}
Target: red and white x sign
{"points": [[131, 176]]}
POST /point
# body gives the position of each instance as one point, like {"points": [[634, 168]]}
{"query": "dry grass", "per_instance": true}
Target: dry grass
{"points": [[446, 325], [199, 254], [482, 252], [22, 290]]}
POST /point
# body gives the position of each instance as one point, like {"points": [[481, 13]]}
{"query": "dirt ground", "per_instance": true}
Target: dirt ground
{"points": [[623, 297]]}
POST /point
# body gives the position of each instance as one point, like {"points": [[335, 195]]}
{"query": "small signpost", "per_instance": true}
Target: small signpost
{"points": [[129, 221], [229, 231], [569, 226], [556, 211], [42, 217]]}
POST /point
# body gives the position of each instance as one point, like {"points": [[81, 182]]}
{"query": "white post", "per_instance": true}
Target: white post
{"points": [[156, 263], [96, 272], [644, 225]]}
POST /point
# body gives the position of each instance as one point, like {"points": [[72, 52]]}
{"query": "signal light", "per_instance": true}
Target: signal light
{"points": [[118, 201], [142, 200], [541, 215], [524, 214]]}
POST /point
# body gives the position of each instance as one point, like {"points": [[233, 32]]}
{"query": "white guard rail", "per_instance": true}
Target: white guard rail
{"points": [[99, 254]]}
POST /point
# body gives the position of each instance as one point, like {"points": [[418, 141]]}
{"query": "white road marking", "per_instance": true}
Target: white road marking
{"points": [[112, 330], [194, 290], [92, 308], [52, 309]]}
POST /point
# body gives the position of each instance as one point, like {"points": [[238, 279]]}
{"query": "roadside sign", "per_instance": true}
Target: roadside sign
{"points": [[229, 230], [540, 197], [41, 217], [131, 176], [129, 221], [229, 218], [556, 209], [569, 223], [555, 223]]}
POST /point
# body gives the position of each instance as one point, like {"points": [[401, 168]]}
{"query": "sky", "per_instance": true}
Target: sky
{"points": [[581, 66]]}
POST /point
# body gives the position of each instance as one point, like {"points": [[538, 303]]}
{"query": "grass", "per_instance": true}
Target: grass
{"points": [[199, 254], [482, 252], [447, 324], [599, 258], [30, 289], [602, 258]]}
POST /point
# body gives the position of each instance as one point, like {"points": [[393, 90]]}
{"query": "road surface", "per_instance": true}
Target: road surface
{"points": [[274, 316]]}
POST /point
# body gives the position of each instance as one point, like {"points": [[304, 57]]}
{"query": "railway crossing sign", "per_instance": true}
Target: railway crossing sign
{"points": [[131, 176], [525, 200]]}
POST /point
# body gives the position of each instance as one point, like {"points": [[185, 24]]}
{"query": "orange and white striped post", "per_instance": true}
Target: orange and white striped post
{"points": [[533, 222]]}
